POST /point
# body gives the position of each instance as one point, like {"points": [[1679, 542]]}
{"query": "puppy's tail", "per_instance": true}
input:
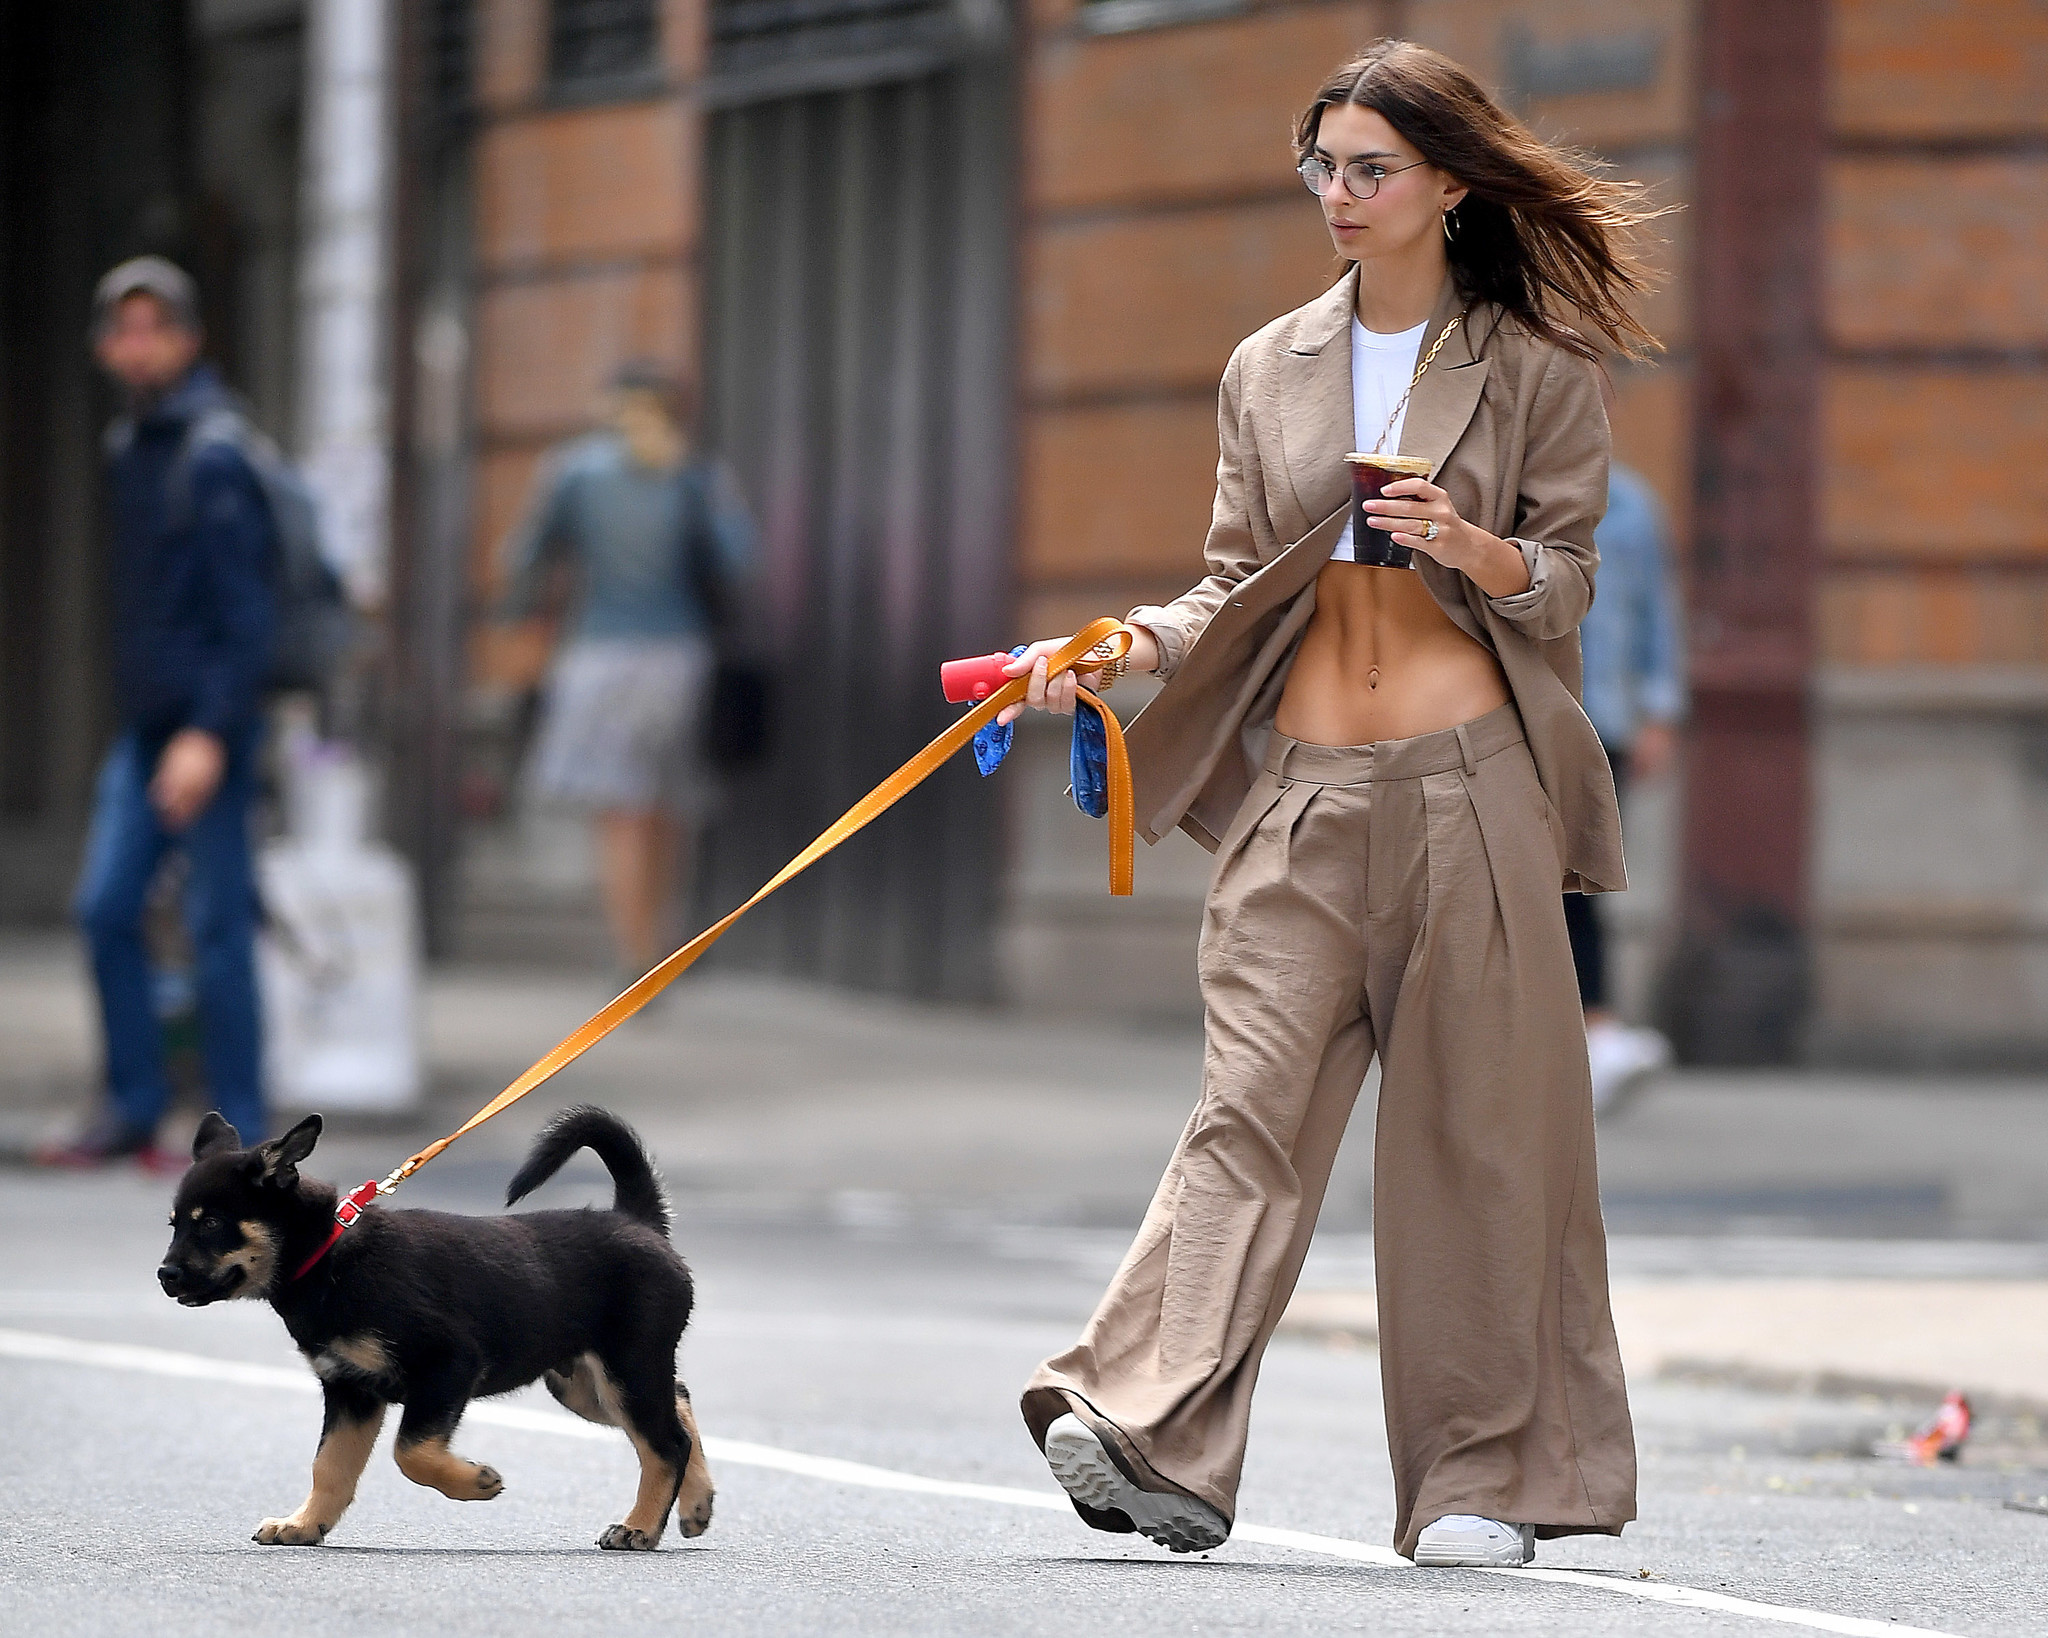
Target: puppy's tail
{"points": [[639, 1192]]}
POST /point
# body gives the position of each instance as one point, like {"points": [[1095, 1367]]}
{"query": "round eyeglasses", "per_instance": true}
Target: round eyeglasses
{"points": [[1361, 179]]}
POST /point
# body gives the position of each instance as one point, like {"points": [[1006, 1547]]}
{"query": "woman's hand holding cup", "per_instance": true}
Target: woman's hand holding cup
{"points": [[1058, 694], [1410, 507]]}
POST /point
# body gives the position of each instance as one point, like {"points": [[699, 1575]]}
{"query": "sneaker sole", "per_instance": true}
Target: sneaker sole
{"points": [[1509, 1555], [1180, 1524]]}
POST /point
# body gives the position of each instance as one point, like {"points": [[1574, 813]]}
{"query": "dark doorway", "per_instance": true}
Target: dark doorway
{"points": [[97, 162]]}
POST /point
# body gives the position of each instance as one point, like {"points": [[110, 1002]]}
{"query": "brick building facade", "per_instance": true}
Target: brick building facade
{"points": [[979, 405]]}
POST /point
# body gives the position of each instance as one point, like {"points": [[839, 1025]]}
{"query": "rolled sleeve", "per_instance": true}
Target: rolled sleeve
{"points": [[1563, 492], [1166, 632], [1521, 604]]}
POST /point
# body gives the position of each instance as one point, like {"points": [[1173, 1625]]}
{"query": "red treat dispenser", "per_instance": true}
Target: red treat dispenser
{"points": [[969, 682]]}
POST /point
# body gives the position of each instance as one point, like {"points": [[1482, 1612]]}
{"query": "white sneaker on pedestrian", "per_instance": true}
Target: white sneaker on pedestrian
{"points": [[1464, 1541], [1087, 1473], [1623, 1057]]}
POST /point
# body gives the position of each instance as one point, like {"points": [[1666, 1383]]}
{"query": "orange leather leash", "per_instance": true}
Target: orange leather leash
{"points": [[1097, 643]]}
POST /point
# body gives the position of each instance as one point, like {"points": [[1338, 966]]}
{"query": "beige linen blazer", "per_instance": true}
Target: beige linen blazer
{"points": [[1518, 433]]}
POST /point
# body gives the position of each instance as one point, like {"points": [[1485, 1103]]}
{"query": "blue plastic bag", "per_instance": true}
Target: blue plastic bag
{"points": [[1088, 762], [1087, 757]]}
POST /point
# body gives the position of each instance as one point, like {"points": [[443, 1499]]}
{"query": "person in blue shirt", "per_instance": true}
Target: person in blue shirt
{"points": [[621, 510], [193, 549], [1635, 694]]}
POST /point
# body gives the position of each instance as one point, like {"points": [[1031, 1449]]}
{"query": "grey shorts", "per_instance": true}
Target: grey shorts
{"points": [[621, 726]]}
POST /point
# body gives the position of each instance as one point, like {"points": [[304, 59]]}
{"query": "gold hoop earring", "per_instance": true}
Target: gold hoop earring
{"points": [[1450, 227]]}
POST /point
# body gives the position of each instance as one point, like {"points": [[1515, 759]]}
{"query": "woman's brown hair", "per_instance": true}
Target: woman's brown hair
{"points": [[1538, 227]]}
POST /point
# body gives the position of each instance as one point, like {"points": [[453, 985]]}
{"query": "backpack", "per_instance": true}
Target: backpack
{"points": [[315, 624]]}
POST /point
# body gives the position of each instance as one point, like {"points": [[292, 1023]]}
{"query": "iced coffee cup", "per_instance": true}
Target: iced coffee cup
{"points": [[1369, 475]]}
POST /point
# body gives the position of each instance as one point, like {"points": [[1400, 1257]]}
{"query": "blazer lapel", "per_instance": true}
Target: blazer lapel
{"points": [[1439, 410], [1442, 404], [1315, 412], [1316, 429]]}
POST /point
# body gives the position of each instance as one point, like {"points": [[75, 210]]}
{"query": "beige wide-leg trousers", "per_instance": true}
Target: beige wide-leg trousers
{"points": [[1402, 898]]}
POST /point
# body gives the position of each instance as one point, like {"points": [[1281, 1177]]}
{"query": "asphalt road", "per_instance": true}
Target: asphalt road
{"points": [[127, 1495]]}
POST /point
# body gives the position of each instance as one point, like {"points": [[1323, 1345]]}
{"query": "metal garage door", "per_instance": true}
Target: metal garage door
{"points": [[859, 267]]}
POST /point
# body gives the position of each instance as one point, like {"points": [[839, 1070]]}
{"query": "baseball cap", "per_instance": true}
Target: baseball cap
{"points": [[147, 276]]}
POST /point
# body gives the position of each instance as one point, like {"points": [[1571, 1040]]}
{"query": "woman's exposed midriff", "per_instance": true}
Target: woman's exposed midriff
{"points": [[1380, 660]]}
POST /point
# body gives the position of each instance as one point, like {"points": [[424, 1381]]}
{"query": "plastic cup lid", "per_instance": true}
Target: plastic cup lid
{"points": [[1411, 466]]}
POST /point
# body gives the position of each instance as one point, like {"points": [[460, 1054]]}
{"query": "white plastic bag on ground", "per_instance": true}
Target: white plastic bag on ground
{"points": [[338, 960]]}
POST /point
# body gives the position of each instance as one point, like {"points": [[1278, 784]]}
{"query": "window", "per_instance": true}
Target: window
{"points": [[597, 44], [1580, 65], [1128, 16], [449, 66], [772, 48]]}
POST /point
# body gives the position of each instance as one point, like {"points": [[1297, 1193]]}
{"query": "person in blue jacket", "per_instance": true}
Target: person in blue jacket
{"points": [[1635, 694], [191, 576]]}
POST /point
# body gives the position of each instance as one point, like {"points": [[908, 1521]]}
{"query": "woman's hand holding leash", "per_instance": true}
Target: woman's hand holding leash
{"points": [[1058, 694], [1420, 515]]}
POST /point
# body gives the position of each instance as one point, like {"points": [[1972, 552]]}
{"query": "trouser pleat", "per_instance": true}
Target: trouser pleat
{"points": [[1414, 911]]}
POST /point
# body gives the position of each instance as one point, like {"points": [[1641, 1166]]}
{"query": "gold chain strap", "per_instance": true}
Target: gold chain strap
{"points": [[1428, 359]]}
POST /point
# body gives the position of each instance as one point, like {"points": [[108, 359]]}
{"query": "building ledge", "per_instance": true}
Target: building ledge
{"points": [[1934, 919], [1931, 688]]}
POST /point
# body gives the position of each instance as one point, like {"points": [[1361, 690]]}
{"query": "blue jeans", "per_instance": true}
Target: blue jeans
{"points": [[126, 844]]}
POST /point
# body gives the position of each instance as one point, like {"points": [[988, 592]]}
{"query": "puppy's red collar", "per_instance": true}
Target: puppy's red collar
{"points": [[345, 1215]]}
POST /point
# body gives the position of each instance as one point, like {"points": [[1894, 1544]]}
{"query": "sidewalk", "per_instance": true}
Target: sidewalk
{"points": [[1858, 1233], [1838, 1338]]}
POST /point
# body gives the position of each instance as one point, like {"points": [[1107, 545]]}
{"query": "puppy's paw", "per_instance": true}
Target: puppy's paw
{"points": [[694, 1522], [289, 1533], [623, 1538], [434, 1465]]}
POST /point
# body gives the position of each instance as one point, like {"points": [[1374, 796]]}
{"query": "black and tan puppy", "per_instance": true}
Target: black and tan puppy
{"points": [[429, 1310]]}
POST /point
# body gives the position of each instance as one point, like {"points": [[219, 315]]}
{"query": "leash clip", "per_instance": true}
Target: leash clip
{"points": [[346, 1212]]}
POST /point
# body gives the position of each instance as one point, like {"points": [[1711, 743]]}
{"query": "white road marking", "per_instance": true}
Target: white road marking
{"points": [[117, 1356]]}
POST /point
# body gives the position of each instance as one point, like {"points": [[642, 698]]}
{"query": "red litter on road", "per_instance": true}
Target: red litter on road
{"points": [[1940, 1441]]}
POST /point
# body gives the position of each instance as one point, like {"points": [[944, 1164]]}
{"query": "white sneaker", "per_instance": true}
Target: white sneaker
{"points": [[1085, 1471], [1464, 1541], [1622, 1057]]}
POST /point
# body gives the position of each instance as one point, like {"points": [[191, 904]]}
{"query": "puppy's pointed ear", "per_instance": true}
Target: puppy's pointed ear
{"points": [[215, 1136], [279, 1158]]}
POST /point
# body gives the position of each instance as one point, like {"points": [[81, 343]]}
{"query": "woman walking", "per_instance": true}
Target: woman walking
{"points": [[1394, 773], [659, 546]]}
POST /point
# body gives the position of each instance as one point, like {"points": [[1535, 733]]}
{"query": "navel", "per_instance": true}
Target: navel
{"points": [[1372, 677]]}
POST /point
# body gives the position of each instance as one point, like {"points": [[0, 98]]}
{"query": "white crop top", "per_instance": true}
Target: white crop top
{"points": [[1381, 368]]}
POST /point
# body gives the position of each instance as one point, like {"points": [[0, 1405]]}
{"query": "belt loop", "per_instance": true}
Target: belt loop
{"points": [[1280, 768], [1465, 749]]}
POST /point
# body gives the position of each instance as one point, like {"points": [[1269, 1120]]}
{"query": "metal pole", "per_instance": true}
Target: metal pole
{"points": [[345, 265], [429, 355]]}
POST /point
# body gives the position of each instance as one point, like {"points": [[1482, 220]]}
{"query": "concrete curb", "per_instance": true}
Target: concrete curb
{"points": [[1653, 1346], [2031, 1415]]}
